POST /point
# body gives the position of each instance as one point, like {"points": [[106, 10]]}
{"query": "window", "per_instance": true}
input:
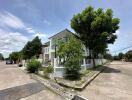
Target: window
{"points": [[46, 50], [65, 39], [53, 46]]}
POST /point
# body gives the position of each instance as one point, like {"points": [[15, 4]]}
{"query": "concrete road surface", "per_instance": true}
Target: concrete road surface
{"points": [[115, 83], [15, 85]]}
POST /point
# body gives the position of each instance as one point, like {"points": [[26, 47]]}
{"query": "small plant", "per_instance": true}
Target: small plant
{"points": [[33, 66], [47, 71]]}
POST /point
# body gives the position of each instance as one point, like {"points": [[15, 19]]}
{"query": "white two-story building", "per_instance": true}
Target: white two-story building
{"points": [[50, 56]]}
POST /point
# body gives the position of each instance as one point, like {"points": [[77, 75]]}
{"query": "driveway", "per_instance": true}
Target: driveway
{"points": [[115, 83], [16, 85]]}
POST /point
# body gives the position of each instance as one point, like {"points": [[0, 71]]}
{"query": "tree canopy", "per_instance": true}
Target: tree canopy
{"points": [[128, 56], [121, 55], [32, 48], [71, 53], [95, 28], [1, 56], [14, 56]]}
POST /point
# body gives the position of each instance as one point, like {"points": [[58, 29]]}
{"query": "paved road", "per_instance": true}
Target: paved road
{"points": [[115, 83], [15, 85]]}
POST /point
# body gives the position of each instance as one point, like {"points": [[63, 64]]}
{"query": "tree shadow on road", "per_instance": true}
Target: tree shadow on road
{"points": [[110, 70], [107, 69]]}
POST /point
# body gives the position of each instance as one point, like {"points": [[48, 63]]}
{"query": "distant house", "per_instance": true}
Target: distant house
{"points": [[50, 57]]}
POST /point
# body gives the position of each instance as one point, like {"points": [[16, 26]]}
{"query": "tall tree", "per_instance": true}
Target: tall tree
{"points": [[14, 56], [26, 51], [121, 55], [36, 46], [128, 56], [1, 56], [96, 29], [32, 48]]}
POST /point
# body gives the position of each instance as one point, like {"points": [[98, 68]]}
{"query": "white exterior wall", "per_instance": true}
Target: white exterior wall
{"points": [[86, 51], [50, 49], [60, 71], [99, 62]]}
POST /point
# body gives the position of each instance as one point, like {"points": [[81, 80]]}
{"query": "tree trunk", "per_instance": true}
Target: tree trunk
{"points": [[93, 62], [92, 57]]}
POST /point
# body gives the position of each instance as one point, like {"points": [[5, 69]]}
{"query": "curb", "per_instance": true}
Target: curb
{"points": [[80, 88], [64, 94], [92, 78], [54, 87]]}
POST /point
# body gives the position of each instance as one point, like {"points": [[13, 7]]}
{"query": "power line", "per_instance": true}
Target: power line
{"points": [[122, 49]]}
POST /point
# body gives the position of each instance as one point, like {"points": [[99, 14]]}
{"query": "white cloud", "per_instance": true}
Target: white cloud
{"points": [[40, 35], [11, 41], [117, 32], [47, 22], [9, 20], [43, 37], [30, 30]]}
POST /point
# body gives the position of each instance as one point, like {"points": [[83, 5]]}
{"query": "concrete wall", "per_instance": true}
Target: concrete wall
{"points": [[100, 61]]}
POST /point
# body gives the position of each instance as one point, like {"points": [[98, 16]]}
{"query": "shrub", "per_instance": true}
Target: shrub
{"points": [[47, 71], [33, 65], [72, 53], [72, 69]]}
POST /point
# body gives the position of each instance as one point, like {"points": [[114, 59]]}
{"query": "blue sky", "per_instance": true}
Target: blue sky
{"points": [[22, 20]]}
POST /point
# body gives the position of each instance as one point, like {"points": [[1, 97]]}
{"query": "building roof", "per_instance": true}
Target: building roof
{"points": [[48, 43], [61, 32]]}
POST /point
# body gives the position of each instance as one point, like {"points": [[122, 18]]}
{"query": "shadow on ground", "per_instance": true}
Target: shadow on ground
{"points": [[107, 70], [15, 93]]}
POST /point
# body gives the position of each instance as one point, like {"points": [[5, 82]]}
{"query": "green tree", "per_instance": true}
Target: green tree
{"points": [[14, 56], [1, 56], [71, 53], [37, 46], [108, 56], [26, 51], [121, 55], [32, 48], [96, 29], [116, 57], [128, 56]]}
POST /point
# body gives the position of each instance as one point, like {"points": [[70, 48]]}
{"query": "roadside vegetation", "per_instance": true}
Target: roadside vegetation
{"points": [[96, 28], [1, 57], [33, 66], [71, 54], [14, 56], [124, 56], [30, 50], [47, 71]]}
